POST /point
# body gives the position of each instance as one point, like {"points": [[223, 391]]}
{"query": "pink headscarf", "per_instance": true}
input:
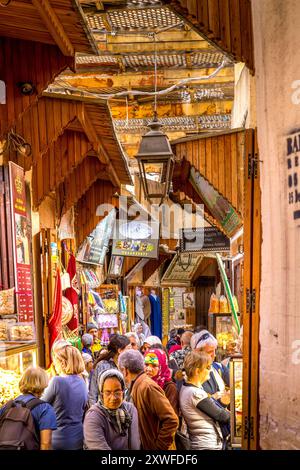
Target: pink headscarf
{"points": [[164, 374]]}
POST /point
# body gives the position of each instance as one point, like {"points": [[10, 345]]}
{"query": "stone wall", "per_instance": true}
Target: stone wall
{"points": [[277, 63]]}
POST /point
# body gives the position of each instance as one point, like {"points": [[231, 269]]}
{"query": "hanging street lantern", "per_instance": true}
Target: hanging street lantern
{"points": [[156, 162]]}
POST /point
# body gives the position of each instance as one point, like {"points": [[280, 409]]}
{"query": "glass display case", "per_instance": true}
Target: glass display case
{"points": [[236, 399], [221, 326], [13, 362]]}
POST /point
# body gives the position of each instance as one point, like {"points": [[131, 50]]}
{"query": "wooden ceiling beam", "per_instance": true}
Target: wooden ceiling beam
{"points": [[54, 26]]}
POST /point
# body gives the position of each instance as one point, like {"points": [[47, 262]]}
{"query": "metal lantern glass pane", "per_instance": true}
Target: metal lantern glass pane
{"points": [[156, 162]]}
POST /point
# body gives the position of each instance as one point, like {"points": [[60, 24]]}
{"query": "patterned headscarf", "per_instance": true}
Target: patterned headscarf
{"points": [[151, 358], [164, 374]]}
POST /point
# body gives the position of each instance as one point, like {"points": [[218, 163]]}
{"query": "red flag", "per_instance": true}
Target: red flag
{"points": [[71, 293], [54, 324]]}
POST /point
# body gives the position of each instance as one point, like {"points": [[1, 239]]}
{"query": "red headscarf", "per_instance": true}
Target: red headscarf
{"points": [[164, 374]]}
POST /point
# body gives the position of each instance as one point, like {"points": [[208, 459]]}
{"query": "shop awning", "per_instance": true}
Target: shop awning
{"points": [[217, 162], [54, 114]]}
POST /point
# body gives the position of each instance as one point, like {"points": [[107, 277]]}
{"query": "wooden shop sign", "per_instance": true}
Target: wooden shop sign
{"points": [[203, 239]]}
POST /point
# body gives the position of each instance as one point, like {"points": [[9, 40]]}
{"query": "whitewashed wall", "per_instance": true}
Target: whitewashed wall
{"points": [[277, 58]]}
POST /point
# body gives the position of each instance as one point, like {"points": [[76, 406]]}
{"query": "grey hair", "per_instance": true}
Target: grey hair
{"points": [[132, 360], [110, 374], [208, 340], [132, 333], [87, 339]]}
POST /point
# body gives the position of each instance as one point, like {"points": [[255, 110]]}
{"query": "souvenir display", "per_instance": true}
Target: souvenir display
{"points": [[67, 311]]}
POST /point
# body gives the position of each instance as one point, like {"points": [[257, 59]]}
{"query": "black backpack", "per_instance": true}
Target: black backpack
{"points": [[17, 428]]}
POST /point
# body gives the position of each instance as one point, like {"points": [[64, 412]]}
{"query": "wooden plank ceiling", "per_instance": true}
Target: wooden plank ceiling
{"points": [[220, 159], [58, 22], [26, 62], [226, 23], [127, 35]]}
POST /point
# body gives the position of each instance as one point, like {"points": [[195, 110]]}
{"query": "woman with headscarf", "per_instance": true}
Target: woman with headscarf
{"points": [[112, 423], [105, 361], [156, 367]]}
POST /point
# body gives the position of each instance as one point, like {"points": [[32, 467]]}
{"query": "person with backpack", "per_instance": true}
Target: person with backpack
{"points": [[27, 422], [68, 395]]}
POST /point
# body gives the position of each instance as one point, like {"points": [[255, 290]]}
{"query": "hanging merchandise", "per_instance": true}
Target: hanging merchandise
{"points": [[123, 313], [156, 314], [104, 337], [55, 322], [72, 293], [228, 292], [214, 305], [224, 307], [67, 311], [66, 226]]}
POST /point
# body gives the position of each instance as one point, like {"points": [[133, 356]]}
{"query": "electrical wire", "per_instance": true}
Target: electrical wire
{"points": [[109, 96]]}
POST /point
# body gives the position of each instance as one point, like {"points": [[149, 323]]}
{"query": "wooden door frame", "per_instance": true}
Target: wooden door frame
{"points": [[252, 274]]}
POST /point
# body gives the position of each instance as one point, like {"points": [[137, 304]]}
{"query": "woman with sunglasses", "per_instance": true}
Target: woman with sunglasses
{"points": [[112, 423], [204, 418], [217, 384]]}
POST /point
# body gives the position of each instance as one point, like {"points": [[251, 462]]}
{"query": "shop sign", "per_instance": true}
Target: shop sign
{"points": [[203, 239], [220, 208], [293, 176], [136, 238], [21, 243], [177, 275]]}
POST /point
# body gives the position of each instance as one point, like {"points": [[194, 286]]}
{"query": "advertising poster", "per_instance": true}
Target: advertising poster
{"points": [[21, 242]]}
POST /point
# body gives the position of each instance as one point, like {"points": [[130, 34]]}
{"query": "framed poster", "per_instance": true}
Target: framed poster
{"points": [[115, 266], [188, 300], [21, 243]]}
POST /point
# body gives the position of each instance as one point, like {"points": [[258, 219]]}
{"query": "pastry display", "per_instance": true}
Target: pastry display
{"points": [[3, 331], [7, 302], [224, 339], [9, 385], [21, 332]]}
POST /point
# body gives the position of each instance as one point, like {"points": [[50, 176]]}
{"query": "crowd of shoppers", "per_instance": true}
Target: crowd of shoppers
{"points": [[134, 394]]}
